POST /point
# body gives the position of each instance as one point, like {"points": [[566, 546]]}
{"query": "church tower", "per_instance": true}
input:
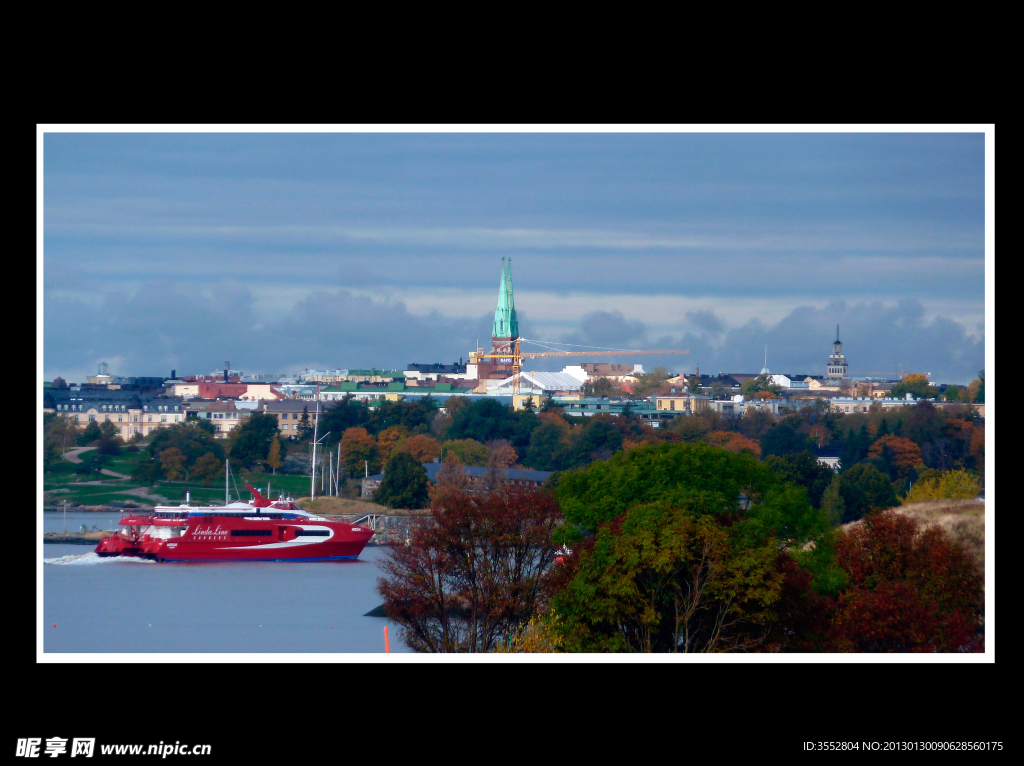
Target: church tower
{"points": [[505, 329], [837, 368]]}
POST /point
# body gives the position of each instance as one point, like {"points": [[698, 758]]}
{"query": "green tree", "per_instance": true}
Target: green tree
{"points": [[761, 384], [90, 435], [649, 381], [864, 488], [60, 431], [832, 503], [550, 448], [252, 439], [786, 439], [669, 581], [676, 547], [305, 426], [468, 451], [916, 385], [804, 470], [404, 484], [945, 485], [952, 393], [193, 437]]}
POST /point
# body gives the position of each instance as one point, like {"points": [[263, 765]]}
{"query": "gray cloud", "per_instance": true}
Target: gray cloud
{"points": [[706, 320]]}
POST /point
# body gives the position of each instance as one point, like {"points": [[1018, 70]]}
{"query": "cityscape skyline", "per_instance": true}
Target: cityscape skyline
{"points": [[289, 251]]}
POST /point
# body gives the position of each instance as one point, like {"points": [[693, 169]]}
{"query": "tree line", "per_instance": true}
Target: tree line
{"points": [[675, 547]]}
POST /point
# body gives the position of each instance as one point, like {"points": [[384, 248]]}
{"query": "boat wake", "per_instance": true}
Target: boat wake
{"points": [[93, 558]]}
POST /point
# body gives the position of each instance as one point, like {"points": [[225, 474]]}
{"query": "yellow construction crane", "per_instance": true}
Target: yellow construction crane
{"points": [[518, 356]]}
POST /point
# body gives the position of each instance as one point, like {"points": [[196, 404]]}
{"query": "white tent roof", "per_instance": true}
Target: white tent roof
{"points": [[545, 381]]}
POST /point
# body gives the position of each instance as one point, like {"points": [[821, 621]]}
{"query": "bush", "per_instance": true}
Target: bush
{"points": [[948, 485]]}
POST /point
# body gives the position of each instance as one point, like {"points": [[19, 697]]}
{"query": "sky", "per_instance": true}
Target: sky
{"points": [[280, 252]]}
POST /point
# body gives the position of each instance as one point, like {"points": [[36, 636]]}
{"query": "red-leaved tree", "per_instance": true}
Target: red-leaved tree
{"points": [[909, 590], [474, 570]]}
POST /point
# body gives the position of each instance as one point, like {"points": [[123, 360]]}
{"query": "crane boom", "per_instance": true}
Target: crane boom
{"points": [[518, 356]]}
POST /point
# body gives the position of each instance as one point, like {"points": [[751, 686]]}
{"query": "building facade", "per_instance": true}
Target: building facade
{"points": [[132, 414], [837, 368]]}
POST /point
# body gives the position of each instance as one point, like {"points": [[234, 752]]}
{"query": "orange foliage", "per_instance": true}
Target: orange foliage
{"points": [[906, 454], [734, 442], [423, 448], [388, 438], [502, 456]]}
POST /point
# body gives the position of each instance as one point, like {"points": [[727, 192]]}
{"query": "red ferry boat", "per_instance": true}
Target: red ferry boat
{"points": [[262, 530]]}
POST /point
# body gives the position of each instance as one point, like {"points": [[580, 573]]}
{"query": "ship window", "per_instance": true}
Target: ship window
{"points": [[250, 533], [312, 533]]}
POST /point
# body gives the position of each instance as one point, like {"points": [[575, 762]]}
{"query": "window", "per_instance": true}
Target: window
{"points": [[120, 418], [163, 418], [92, 417], [250, 533], [150, 418], [312, 533]]}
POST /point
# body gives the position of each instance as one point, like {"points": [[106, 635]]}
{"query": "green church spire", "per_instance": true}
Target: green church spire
{"points": [[506, 325]]}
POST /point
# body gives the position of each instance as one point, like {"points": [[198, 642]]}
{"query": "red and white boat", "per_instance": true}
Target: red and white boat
{"points": [[262, 530]]}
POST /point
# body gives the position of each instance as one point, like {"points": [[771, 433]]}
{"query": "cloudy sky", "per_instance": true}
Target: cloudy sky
{"points": [[284, 251]]}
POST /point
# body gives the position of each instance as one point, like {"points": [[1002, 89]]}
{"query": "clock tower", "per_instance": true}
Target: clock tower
{"points": [[837, 368]]}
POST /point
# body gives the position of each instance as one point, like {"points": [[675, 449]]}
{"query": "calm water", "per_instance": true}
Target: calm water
{"points": [[131, 605]]}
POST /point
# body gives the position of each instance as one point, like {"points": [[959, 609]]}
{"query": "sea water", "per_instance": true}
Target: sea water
{"points": [[134, 605]]}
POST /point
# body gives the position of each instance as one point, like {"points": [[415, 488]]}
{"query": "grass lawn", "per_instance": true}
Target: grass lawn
{"points": [[94, 495]]}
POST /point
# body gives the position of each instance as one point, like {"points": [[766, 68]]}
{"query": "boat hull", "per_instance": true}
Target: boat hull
{"points": [[211, 537]]}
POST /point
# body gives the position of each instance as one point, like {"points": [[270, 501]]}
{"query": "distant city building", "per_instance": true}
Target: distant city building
{"points": [[225, 416], [325, 376], [837, 368], [132, 413], [681, 403]]}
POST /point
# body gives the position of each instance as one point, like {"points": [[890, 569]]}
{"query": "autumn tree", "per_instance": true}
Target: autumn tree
{"points": [[451, 477], [649, 381], [900, 455], [666, 580], [404, 484], [388, 439], [946, 485], [909, 590], [358, 447], [423, 448], [602, 387], [676, 547], [60, 431], [208, 469], [501, 454], [274, 455], [473, 574], [734, 442], [468, 451], [172, 461]]}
